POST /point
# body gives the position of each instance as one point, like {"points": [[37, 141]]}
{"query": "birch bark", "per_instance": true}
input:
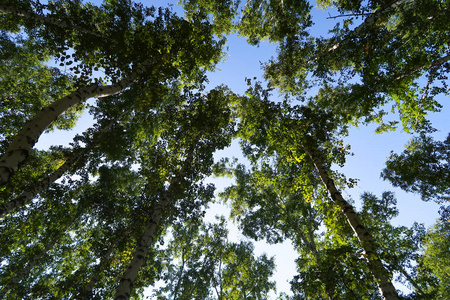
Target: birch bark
{"points": [[27, 137], [125, 287], [377, 269]]}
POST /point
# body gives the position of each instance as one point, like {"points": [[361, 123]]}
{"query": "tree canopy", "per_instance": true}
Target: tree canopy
{"points": [[121, 209]]}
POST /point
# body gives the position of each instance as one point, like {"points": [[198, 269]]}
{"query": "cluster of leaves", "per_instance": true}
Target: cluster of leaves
{"points": [[423, 168], [28, 85]]}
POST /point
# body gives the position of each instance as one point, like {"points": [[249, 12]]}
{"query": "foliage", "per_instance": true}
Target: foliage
{"points": [[28, 85], [122, 207], [434, 264], [381, 53], [256, 19], [200, 263], [423, 168]]}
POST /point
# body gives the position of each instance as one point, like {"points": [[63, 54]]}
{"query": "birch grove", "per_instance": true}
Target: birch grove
{"points": [[120, 212]]}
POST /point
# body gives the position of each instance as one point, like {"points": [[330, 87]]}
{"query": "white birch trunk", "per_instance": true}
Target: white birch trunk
{"points": [[377, 269], [27, 137], [125, 287]]}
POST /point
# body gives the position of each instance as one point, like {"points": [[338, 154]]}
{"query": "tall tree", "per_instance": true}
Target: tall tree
{"points": [[152, 56], [192, 155], [311, 135], [269, 203]]}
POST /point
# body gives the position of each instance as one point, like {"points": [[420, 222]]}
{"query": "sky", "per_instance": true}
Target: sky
{"points": [[370, 150]]}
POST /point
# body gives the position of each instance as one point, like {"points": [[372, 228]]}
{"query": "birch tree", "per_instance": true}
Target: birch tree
{"points": [[268, 202], [146, 52], [198, 133], [311, 135]]}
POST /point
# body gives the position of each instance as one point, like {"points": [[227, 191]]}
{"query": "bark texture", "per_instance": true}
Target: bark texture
{"points": [[27, 137], [125, 287], [377, 269]]}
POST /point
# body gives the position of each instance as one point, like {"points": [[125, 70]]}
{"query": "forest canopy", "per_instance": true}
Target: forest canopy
{"points": [[119, 212]]}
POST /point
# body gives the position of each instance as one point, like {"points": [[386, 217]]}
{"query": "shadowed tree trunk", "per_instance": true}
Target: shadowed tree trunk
{"points": [[125, 287]]}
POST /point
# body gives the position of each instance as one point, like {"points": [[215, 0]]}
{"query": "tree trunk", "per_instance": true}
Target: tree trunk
{"points": [[31, 192], [27, 137], [377, 269], [124, 289]]}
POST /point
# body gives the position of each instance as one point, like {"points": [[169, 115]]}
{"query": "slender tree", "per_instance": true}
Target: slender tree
{"points": [[306, 132], [200, 140]]}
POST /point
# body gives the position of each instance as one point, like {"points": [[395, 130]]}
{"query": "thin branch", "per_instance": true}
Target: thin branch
{"points": [[348, 15]]}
